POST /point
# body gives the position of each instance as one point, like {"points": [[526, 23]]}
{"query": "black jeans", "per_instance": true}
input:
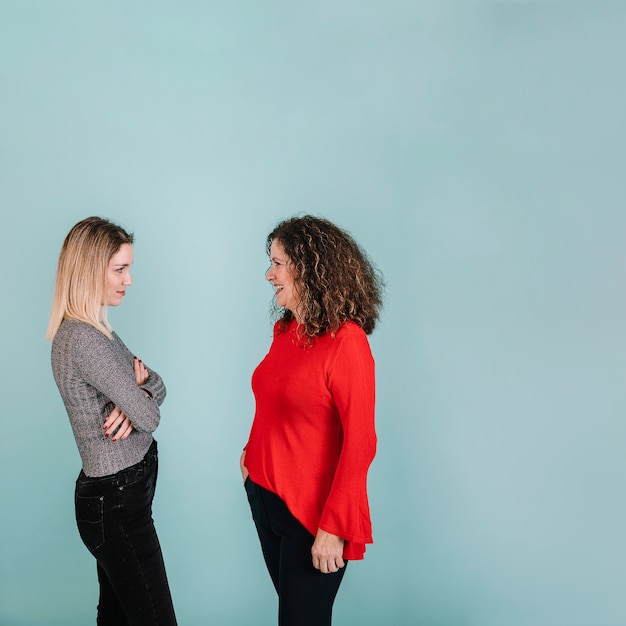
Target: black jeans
{"points": [[305, 595], [114, 517]]}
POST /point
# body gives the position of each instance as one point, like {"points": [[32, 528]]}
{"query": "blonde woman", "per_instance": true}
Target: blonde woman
{"points": [[112, 399]]}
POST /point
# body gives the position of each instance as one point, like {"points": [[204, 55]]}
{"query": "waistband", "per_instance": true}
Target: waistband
{"points": [[125, 475]]}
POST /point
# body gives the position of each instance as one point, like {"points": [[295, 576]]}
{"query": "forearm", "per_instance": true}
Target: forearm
{"points": [[155, 387]]}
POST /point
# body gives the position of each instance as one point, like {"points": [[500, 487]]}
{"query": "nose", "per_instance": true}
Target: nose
{"points": [[128, 279], [269, 275]]}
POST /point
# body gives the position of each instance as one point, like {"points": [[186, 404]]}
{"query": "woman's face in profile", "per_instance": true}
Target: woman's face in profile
{"points": [[281, 277], [118, 274]]}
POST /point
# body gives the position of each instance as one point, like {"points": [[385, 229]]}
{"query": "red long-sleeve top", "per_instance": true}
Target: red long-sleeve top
{"points": [[313, 438]]}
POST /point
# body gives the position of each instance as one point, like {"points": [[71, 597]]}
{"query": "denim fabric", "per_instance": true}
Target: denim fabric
{"points": [[114, 518], [305, 595]]}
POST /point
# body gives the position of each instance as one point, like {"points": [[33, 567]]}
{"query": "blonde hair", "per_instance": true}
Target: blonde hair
{"points": [[80, 286]]}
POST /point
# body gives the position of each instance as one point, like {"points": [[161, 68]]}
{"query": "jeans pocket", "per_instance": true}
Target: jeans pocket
{"points": [[90, 520]]}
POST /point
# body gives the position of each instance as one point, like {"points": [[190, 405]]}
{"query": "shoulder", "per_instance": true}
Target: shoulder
{"points": [[351, 332], [79, 334], [349, 338], [350, 354], [350, 328]]}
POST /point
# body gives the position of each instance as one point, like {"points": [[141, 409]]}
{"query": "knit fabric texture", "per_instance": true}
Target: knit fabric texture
{"points": [[95, 374], [313, 437]]}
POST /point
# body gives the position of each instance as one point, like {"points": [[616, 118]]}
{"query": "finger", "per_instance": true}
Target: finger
{"points": [[113, 415], [141, 371], [322, 564], [115, 425], [124, 430], [112, 429]]}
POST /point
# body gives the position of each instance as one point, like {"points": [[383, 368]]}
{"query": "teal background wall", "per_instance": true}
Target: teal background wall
{"points": [[475, 149]]}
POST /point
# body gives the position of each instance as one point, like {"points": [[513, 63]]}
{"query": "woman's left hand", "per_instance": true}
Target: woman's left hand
{"points": [[327, 552]]}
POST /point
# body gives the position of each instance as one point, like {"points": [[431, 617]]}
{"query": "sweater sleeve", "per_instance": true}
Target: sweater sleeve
{"points": [[102, 366], [154, 385], [352, 384]]}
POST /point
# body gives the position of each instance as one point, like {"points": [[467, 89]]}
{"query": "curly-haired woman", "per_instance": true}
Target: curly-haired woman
{"points": [[313, 438]]}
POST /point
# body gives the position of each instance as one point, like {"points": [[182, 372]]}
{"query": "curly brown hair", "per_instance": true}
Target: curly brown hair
{"points": [[334, 278]]}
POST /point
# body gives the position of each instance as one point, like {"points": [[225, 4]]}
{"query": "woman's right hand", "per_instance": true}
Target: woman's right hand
{"points": [[141, 371], [117, 421], [244, 469]]}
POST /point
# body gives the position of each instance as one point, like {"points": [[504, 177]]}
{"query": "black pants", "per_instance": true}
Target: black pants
{"points": [[305, 595], [114, 517]]}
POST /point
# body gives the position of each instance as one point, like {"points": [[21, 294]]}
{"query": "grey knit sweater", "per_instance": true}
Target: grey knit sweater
{"points": [[94, 374]]}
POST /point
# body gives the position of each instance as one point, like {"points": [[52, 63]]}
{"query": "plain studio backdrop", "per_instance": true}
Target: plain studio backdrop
{"points": [[475, 150]]}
